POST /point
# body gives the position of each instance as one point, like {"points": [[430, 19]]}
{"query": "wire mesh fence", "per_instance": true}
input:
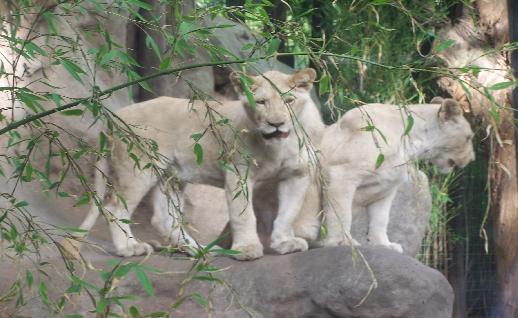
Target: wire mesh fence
{"points": [[458, 240]]}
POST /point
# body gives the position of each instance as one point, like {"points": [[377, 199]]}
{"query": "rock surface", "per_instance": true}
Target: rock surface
{"points": [[326, 282]]}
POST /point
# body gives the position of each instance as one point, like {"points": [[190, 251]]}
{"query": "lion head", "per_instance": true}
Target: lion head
{"points": [[454, 147], [277, 97]]}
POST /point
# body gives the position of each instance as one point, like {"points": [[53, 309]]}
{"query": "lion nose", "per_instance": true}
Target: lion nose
{"points": [[276, 125]]}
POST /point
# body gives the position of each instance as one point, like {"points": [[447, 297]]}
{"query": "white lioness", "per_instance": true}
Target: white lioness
{"points": [[351, 149], [264, 133]]}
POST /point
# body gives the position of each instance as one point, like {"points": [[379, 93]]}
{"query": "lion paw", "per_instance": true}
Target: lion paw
{"points": [[395, 246], [135, 249], [248, 252], [291, 245]]}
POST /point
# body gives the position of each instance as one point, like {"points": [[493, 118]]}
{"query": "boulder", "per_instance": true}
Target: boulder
{"points": [[325, 282]]}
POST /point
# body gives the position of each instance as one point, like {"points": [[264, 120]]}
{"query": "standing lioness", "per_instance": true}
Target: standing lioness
{"points": [[261, 145], [366, 155]]}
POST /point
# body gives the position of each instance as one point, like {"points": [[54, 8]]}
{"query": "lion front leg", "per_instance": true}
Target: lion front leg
{"points": [[291, 197], [242, 220], [379, 216]]}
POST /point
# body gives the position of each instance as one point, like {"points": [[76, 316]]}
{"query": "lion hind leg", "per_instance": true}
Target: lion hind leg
{"points": [[168, 219], [337, 202], [119, 214]]}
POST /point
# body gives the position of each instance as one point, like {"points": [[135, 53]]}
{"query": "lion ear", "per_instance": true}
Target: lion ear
{"points": [[450, 110], [304, 78], [235, 78]]}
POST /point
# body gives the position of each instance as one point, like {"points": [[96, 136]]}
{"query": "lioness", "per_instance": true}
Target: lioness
{"points": [[263, 132], [351, 151]]}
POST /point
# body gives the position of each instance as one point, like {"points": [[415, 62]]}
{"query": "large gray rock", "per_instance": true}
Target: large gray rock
{"points": [[327, 282]]}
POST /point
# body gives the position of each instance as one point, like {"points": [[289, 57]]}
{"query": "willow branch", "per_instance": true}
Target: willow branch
{"points": [[113, 89]]}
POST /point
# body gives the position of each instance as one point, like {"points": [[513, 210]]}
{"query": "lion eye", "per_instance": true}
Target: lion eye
{"points": [[260, 101]]}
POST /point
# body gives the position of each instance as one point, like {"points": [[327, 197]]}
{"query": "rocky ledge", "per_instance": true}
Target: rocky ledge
{"points": [[326, 282]]}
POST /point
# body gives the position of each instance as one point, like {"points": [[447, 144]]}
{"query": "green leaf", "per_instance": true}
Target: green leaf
{"points": [[27, 177], [144, 280], [3, 217], [134, 312], [102, 142], [166, 63], [84, 199], [32, 48], [207, 279], [72, 68], [444, 45], [150, 43], [178, 303], [29, 278], [72, 229], [224, 251], [126, 221], [123, 270], [101, 305], [197, 136], [198, 152], [323, 231], [502, 85], [198, 298], [186, 27], [237, 194], [245, 82], [72, 112], [135, 159], [44, 295], [158, 314], [323, 85], [21, 204], [379, 160], [108, 57], [409, 125], [273, 46], [141, 4], [51, 23], [74, 316], [30, 99], [380, 2], [247, 46]]}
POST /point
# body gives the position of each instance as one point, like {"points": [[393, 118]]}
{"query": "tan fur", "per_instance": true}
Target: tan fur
{"points": [[171, 121], [440, 134]]}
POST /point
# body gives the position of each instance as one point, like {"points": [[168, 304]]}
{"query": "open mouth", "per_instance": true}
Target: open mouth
{"points": [[276, 134]]}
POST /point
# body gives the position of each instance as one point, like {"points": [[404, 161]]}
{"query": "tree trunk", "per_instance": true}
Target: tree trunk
{"points": [[472, 43]]}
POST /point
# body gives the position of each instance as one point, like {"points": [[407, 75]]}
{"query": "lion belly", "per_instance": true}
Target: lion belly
{"points": [[379, 185]]}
